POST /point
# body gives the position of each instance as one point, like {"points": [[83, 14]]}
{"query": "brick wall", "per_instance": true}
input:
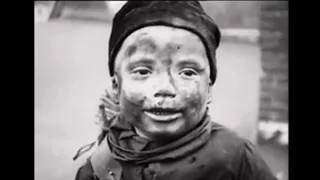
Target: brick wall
{"points": [[274, 57]]}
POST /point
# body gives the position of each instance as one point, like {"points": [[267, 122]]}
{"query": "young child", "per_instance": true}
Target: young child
{"points": [[163, 66]]}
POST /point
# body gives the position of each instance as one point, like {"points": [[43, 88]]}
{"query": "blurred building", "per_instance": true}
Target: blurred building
{"points": [[273, 110], [234, 14], [274, 59], [74, 10], [253, 73], [259, 22], [42, 10]]}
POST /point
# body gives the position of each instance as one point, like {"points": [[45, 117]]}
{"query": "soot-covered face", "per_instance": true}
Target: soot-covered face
{"points": [[162, 81]]}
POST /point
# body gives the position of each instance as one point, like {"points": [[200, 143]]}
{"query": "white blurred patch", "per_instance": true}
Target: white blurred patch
{"points": [[269, 129], [41, 14], [251, 35], [280, 175], [115, 5]]}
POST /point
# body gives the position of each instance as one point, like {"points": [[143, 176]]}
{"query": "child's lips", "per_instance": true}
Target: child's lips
{"points": [[163, 115]]}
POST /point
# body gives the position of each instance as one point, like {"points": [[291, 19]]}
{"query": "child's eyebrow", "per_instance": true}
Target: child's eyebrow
{"points": [[147, 45], [191, 62], [143, 61]]}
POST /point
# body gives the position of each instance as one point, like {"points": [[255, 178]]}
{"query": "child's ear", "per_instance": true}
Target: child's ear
{"points": [[115, 87], [209, 93]]}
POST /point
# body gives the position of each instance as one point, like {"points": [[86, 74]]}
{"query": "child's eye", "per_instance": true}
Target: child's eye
{"points": [[188, 72], [141, 71]]}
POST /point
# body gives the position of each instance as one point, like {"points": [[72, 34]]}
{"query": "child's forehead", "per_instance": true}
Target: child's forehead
{"points": [[168, 40], [161, 34], [163, 41]]}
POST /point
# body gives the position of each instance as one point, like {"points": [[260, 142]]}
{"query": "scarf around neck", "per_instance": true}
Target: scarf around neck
{"points": [[126, 146]]}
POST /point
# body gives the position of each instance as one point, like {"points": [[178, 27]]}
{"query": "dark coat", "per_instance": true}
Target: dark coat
{"points": [[225, 157]]}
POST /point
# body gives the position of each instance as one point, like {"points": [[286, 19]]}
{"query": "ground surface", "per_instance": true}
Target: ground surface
{"points": [[71, 74]]}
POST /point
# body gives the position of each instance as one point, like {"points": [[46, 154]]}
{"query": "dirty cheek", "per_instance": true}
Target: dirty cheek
{"points": [[193, 97], [131, 104]]}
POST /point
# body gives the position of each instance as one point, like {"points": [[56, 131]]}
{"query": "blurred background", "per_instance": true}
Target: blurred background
{"points": [[71, 74]]}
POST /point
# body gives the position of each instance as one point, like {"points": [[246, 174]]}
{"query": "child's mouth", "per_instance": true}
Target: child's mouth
{"points": [[163, 114]]}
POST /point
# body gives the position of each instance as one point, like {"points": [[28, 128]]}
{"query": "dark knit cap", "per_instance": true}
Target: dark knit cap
{"points": [[188, 15]]}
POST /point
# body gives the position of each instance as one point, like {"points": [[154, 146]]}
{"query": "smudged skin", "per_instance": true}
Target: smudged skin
{"points": [[166, 67]]}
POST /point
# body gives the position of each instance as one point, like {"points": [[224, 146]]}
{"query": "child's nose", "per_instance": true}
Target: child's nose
{"points": [[165, 87], [164, 93]]}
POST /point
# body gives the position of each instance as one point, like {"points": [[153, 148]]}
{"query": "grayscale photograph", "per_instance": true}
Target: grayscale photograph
{"points": [[161, 90]]}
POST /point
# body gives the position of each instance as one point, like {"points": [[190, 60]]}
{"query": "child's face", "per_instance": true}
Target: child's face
{"points": [[163, 81]]}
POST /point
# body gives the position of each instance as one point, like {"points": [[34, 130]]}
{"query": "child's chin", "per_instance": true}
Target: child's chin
{"points": [[168, 133]]}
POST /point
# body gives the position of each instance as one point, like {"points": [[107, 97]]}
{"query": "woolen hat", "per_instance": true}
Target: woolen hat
{"points": [[188, 15]]}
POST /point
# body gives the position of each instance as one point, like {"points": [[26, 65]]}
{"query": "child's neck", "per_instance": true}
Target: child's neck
{"points": [[158, 141], [141, 134]]}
